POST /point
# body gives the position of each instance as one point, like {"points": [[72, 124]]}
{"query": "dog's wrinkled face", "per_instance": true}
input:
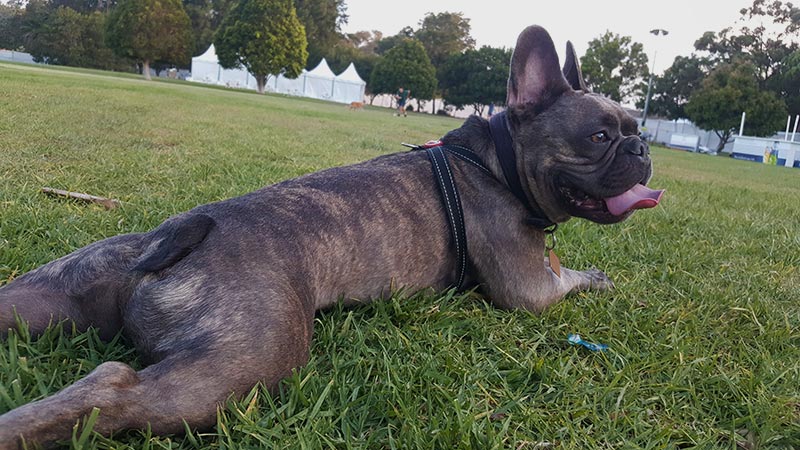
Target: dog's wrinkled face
{"points": [[580, 152]]}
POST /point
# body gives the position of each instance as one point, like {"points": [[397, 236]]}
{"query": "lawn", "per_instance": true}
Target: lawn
{"points": [[703, 329]]}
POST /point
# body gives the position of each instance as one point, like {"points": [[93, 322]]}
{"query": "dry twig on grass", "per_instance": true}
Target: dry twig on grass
{"points": [[108, 203]]}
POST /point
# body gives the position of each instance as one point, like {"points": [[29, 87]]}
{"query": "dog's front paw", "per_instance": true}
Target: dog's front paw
{"points": [[597, 280]]}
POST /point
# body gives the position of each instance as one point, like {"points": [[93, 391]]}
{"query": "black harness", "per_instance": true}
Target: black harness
{"points": [[452, 203], [437, 152]]}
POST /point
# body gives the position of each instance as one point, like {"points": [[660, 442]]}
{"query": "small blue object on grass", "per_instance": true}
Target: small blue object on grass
{"points": [[575, 339]]}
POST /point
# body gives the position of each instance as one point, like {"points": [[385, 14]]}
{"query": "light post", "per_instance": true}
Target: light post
{"points": [[655, 32]]}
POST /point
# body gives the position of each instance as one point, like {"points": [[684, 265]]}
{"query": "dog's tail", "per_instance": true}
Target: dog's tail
{"points": [[173, 240]]}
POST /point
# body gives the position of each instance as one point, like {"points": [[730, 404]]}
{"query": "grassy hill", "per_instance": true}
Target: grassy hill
{"points": [[703, 328]]}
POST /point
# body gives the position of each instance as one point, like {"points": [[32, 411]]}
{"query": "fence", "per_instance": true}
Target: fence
{"points": [[661, 131]]}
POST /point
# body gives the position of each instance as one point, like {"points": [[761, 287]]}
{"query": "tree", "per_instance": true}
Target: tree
{"points": [[615, 66], [768, 46], [787, 83], [387, 43], [74, 39], [10, 22], [322, 20], [200, 15], [83, 6], [149, 31], [405, 65], [32, 24], [672, 90], [366, 41], [476, 77], [65, 36], [764, 46], [444, 34], [263, 36], [729, 90]]}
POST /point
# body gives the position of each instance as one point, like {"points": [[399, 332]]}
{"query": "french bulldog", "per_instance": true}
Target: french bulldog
{"points": [[236, 283]]}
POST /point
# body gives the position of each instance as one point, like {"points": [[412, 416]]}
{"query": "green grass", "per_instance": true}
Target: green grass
{"points": [[703, 329]]}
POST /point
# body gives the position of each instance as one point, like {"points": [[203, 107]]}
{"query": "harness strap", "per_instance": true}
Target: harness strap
{"points": [[452, 205], [469, 156], [437, 152]]}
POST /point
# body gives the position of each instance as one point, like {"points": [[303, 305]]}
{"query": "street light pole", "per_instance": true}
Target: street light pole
{"points": [[649, 89], [655, 32]]}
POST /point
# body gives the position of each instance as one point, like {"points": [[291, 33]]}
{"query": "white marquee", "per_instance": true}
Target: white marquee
{"points": [[319, 82]]}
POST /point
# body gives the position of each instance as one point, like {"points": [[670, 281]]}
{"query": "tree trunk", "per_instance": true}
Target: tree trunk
{"points": [[261, 81], [371, 99], [146, 69], [433, 108], [723, 139]]}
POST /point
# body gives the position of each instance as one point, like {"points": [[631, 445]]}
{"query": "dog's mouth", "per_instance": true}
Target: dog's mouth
{"points": [[611, 209]]}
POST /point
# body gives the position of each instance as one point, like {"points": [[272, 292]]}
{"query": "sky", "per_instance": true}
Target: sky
{"points": [[498, 22]]}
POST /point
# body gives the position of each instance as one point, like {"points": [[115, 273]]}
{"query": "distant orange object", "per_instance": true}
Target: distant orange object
{"points": [[356, 105]]}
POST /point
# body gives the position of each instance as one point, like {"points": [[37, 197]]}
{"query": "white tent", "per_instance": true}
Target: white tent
{"points": [[206, 69], [289, 86], [319, 83], [349, 87]]}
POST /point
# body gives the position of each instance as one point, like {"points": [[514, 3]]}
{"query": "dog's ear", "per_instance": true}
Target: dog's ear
{"points": [[572, 70], [535, 78]]}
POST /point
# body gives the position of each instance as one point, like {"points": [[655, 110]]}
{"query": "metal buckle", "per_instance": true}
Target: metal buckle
{"points": [[550, 232]]}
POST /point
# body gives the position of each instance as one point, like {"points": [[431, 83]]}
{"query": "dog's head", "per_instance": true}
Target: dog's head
{"points": [[580, 152]]}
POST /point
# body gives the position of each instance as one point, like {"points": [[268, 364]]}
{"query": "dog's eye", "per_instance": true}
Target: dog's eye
{"points": [[599, 137]]}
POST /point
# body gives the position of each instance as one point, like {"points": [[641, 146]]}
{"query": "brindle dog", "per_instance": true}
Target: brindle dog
{"points": [[235, 284]]}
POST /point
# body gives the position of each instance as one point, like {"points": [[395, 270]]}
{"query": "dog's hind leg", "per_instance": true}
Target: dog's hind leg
{"points": [[180, 388], [201, 361]]}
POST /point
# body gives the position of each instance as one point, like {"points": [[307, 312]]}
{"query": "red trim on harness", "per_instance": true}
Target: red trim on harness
{"points": [[431, 144]]}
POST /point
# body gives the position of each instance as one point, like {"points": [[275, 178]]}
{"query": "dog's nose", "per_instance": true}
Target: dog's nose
{"points": [[637, 147]]}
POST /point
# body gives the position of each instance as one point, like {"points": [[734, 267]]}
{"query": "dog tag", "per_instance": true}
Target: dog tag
{"points": [[555, 264]]}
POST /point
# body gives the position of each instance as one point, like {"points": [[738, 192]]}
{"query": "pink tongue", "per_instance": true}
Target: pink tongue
{"points": [[638, 197]]}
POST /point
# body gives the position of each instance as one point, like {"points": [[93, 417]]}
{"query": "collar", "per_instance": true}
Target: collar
{"points": [[506, 156]]}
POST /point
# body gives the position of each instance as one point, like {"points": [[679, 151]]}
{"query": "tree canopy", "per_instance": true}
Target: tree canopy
{"points": [[149, 31], [408, 66], [769, 46], [10, 22], [74, 39], [322, 20], [444, 34], [616, 66], [672, 90], [476, 77], [729, 90], [788, 82], [263, 36], [200, 15], [387, 43]]}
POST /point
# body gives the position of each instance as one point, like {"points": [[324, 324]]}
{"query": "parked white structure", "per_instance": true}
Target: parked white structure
{"points": [[319, 82], [770, 150], [10, 55], [206, 69], [767, 150]]}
